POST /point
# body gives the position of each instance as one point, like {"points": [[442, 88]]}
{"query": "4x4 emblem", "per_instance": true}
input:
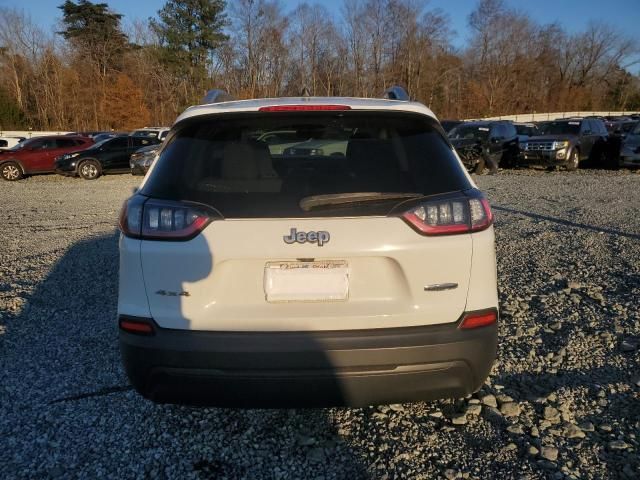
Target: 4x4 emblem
{"points": [[320, 237]]}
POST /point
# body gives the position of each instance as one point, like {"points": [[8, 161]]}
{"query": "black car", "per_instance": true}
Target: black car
{"points": [[111, 155], [567, 143], [484, 142]]}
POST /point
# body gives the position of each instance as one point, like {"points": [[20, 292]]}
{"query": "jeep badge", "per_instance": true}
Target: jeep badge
{"points": [[294, 236]]}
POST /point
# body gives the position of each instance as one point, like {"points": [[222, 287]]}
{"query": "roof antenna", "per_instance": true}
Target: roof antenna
{"points": [[305, 92]]}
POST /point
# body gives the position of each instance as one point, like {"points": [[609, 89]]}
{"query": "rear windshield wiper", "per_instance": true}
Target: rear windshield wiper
{"points": [[313, 201]]}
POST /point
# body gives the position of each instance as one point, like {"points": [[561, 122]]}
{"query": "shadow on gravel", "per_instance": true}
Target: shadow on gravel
{"points": [[567, 222], [61, 376]]}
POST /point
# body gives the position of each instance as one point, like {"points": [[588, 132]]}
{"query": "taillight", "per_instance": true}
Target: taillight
{"points": [[152, 219], [479, 319], [450, 215], [137, 326], [303, 108]]}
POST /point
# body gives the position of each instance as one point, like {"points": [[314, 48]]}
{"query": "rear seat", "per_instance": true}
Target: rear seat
{"points": [[245, 167]]}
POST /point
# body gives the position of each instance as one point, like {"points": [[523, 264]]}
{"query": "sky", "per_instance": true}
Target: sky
{"points": [[574, 15]]}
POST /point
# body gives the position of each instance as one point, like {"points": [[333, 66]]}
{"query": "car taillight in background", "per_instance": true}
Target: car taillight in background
{"points": [[450, 216], [152, 219]]}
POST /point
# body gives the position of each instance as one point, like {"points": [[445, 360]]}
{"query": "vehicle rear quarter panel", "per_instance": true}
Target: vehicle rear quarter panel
{"points": [[483, 290], [132, 297]]}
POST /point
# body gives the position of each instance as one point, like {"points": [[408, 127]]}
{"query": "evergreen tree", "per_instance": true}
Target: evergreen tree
{"points": [[95, 31], [190, 31]]}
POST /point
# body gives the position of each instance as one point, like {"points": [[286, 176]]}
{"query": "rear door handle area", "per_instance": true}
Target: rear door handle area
{"points": [[438, 287]]}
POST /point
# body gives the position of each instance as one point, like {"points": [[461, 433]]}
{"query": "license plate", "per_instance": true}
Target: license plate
{"points": [[318, 281]]}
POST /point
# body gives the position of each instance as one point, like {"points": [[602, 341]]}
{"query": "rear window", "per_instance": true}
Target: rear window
{"points": [[269, 165]]}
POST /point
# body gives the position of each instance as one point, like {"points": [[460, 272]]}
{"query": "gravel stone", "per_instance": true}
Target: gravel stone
{"points": [[573, 431], [549, 453], [515, 429], [474, 409], [510, 409], [489, 400], [567, 247], [551, 413], [460, 419], [618, 445]]}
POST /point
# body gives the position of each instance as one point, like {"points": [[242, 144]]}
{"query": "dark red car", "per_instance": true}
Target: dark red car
{"points": [[37, 155]]}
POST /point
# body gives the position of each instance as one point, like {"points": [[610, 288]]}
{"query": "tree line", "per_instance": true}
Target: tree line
{"points": [[95, 72]]}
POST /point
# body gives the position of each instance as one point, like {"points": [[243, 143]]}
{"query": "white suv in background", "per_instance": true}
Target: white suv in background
{"points": [[356, 275]]}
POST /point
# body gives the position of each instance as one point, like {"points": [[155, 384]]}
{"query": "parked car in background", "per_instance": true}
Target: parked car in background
{"points": [[38, 154], [566, 143], [151, 132], [10, 142], [109, 156], [279, 140], [448, 125], [526, 130], [323, 147], [142, 159], [481, 143], [630, 150]]}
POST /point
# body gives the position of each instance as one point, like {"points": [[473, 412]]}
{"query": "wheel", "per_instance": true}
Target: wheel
{"points": [[89, 169], [11, 171], [573, 161]]}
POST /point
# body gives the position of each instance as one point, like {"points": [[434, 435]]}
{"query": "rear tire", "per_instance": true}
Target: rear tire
{"points": [[89, 170], [574, 160], [11, 171]]}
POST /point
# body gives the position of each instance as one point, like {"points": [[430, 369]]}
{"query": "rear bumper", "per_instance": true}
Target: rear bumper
{"points": [[313, 369]]}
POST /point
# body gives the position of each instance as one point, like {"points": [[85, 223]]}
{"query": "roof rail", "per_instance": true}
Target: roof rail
{"points": [[216, 96], [396, 93]]}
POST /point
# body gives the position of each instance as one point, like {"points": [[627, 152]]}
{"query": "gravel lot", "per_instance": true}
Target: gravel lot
{"points": [[563, 399]]}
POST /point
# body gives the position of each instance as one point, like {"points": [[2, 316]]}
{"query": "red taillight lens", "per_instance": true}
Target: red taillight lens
{"points": [[449, 216], [303, 108], [152, 219], [478, 319], [136, 326]]}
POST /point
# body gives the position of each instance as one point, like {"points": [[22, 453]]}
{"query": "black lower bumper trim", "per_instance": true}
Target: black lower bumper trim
{"points": [[313, 369]]}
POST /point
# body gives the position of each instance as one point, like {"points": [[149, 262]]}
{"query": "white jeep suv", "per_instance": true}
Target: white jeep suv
{"points": [[358, 275]]}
